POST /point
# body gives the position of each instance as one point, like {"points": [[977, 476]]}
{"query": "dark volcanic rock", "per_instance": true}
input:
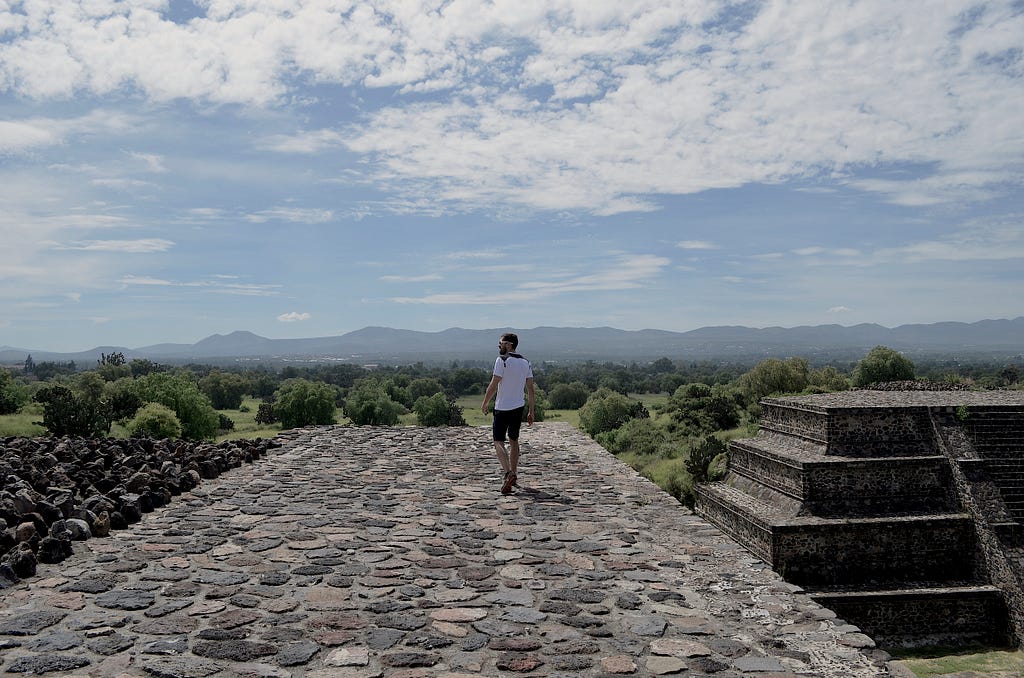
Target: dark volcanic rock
{"points": [[101, 484], [46, 664], [235, 650]]}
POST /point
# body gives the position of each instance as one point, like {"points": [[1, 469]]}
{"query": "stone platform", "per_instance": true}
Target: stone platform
{"points": [[390, 552]]}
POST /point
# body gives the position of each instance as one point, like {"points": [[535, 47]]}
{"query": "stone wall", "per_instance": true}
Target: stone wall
{"points": [[863, 487], [854, 431], [875, 551], [901, 510], [902, 619]]}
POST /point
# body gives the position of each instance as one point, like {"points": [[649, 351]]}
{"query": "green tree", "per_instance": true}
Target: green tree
{"points": [[115, 359], [265, 414], [141, 367], [467, 381], [775, 377], [122, 399], [438, 410], [570, 396], [697, 409], [828, 379], [13, 394], [300, 402], [606, 410], [66, 413], [700, 458], [177, 391], [641, 437], [155, 421], [226, 390], [424, 386], [882, 364], [368, 403], [47, 370]]}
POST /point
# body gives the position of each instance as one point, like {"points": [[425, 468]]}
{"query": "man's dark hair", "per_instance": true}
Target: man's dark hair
{"points": [[512, 338]]}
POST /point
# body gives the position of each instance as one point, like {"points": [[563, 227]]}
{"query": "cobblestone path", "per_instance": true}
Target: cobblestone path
{"points": [[390, 552]]}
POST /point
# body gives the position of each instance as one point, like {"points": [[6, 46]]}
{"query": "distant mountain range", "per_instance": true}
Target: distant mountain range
{"points": [[386, 345]]}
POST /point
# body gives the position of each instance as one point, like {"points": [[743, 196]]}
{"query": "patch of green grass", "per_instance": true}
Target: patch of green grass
{"points": [[245, 423], [21, 423], [938, 661]]}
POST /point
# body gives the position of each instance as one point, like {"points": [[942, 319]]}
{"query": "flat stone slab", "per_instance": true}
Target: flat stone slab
{"points": [[374, 551]]}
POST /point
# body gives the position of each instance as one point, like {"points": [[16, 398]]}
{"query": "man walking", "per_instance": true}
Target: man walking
{"points": [[511, 375]]}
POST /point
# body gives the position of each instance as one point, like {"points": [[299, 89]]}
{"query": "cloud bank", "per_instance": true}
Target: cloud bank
{"points": [[562, 104]]}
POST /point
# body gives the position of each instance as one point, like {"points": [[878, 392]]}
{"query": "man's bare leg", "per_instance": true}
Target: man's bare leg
{"points": [[499, 450], [513, 457]]}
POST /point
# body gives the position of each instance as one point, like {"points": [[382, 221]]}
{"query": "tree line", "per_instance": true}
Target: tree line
{"points": [[149, 398]]}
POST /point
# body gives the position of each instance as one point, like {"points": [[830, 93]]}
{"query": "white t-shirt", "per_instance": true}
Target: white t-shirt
{"points": [[513, 372]]}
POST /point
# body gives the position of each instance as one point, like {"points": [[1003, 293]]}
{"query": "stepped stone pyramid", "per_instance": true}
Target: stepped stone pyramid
{"points": [[899, 510]]}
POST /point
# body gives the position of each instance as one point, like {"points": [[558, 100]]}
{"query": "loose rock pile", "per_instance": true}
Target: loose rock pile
{"points": [[914, 385], [59, 490]]}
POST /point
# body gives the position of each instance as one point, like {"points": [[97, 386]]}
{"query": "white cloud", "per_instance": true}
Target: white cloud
{"points": [[16, 137], [562, 105], [624, 272], [410, 278], [304, 142], [292, 214], [293, 317], [473, 254], [839, 309], [144, 245], [152, 162], [696, 245], [145, 280]]}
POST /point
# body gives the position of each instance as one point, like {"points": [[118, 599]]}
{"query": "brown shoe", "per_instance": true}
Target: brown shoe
{"points": [[506, 487]]}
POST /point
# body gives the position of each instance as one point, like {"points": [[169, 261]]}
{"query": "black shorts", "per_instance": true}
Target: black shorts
{"points": [[507, 422]]}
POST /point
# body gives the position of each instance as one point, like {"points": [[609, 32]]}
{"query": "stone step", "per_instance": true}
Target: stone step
{"points": [[933, 615], [832, 485], [851, 431], [813, 550]]}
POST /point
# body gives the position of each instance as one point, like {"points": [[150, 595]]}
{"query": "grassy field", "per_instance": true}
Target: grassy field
{"points": [[978, 662], [245, 423]]}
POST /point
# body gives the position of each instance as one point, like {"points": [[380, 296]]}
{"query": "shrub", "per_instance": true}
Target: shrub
{"points": [[699, 461], [65, 413], [224, 422], [606, 410], [369, 404], [265, 414], [438, 410], [122, 400], [13, 395], [540, 405], [568, 396], [178, 392], [641, 437], [882, 364], [696, 409], [300, 402], [155, 421], [775, 376], [424, 387], [224, 389]]}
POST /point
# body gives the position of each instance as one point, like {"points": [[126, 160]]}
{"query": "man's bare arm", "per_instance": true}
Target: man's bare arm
{"points": [[492, 388]]}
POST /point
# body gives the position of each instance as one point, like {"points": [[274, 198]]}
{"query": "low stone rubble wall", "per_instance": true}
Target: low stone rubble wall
{"points": [[59, 490]]}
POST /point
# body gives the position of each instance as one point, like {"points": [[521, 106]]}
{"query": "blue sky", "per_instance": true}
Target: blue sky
{"points": [[170, 170]]}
